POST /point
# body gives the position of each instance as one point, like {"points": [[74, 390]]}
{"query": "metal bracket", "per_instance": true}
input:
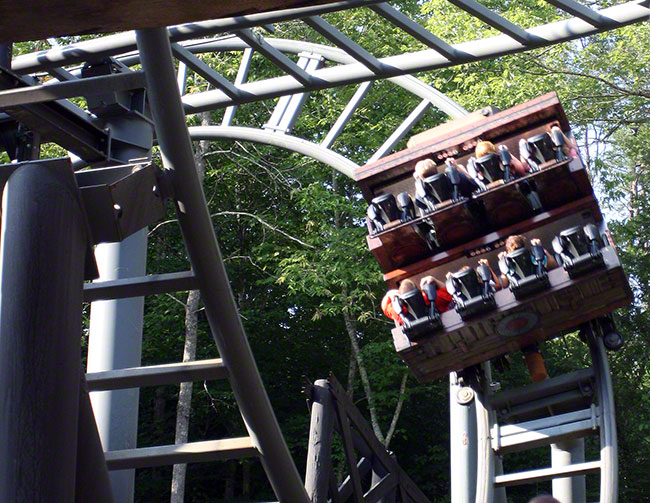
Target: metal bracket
{"points": [[121, 200]]}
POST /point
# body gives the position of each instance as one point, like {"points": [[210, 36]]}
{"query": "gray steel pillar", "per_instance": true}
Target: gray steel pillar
{"points": [[319, 450], [115, 342], [207, 263], [499, 492], [608, 441], [569, 489], [463, 441], [42, 254], [93, 484]]}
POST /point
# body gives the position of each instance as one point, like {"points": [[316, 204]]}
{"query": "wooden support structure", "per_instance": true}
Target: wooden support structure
{"points": [[35, 20], [319, 454], [374, 476]]}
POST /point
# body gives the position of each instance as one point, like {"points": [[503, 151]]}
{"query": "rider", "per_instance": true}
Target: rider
{"points": [[442, 300], [487, 147], [532, 356]]}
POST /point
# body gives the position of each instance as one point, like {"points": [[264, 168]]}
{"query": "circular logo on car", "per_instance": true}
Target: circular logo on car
{"points": [[517, 324]]}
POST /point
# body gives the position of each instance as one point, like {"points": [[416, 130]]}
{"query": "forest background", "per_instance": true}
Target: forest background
{"points": [[293, 236]]}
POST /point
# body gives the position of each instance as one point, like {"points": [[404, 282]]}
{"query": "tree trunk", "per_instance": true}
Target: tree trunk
{"points": [[350, 327], [184, 407]]}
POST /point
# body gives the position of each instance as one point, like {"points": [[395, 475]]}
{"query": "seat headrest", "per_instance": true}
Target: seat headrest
{"points": [[383, 198], [486, 158]]}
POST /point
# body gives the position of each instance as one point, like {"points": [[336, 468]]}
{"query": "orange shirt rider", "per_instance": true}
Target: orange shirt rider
{"points": [[442, 302]]}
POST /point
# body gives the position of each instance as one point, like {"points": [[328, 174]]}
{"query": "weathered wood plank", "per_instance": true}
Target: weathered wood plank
{"points": [[40, 19], [319, 450], [345, 489], [381, 488], [350, 456]]}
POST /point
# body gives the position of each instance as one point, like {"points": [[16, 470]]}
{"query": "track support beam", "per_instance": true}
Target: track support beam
{"points": [[207, 263]]}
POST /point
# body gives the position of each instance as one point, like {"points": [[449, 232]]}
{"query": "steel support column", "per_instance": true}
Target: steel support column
{"points": [[209, 268], [569, 489], [463, 441], [608, 441], [115, 342], [93, 484], [42, 252]]}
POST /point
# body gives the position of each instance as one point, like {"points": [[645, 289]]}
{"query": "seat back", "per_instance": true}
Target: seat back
{"points": [[415, 305], [542, 147], [574, 241], [405, 207], [520, 263], [438, 187], [387, 207], [469, 283], [490, 167]]}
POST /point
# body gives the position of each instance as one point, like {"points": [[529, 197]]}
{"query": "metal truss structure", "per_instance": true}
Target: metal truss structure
{"points": [[318, 66], [114, 130]]}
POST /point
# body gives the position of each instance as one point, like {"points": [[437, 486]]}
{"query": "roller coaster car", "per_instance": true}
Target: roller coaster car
{"points": [[553, 202], [448, 213], [525, 270], [472, 291], [541, 306], [418, 318]]}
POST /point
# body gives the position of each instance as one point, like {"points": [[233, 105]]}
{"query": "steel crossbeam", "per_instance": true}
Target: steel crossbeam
{"points": [[257, 42], [417, 31], [585, 13], [61, 74], [124, 42], [514, 39], [242, 75], [493, 19], [347, 44], [346, 115], [401, 130], [212, 76], [353, 72], [71, 88]]}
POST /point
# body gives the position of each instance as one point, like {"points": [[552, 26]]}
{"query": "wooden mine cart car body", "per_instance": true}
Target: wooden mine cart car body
{"points": [[464, 235]]}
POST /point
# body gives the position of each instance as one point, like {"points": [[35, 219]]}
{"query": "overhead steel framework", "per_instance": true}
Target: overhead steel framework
{"points": [[348, 61], [105, 133]]}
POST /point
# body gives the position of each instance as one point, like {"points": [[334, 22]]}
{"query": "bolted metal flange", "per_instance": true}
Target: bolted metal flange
{"points": [[465, 395]]}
